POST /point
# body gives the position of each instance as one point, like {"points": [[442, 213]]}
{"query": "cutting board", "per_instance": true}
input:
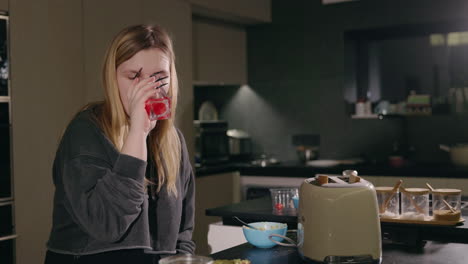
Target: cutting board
{"points": [[430, 221]]}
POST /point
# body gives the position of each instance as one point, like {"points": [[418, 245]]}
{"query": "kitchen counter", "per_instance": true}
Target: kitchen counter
{"points": [[407, 234], [297, 169], [402, 243], [433, 252]]}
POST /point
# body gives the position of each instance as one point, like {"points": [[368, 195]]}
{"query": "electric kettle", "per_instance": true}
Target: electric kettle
{"points": [[338, 220]]}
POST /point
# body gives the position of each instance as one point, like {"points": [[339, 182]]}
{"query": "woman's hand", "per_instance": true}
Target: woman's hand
{"points": [[140, 125], [139, 92]]}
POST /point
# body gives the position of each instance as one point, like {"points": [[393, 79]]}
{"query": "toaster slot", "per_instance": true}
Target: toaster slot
{"points": [[336, 180], [345, 179]]}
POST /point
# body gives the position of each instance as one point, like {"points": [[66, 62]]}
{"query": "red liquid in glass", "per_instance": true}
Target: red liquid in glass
{"points": [[158, 108]]}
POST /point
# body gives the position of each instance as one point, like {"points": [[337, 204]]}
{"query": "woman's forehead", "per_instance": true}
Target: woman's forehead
{"points": [[149, 61]]}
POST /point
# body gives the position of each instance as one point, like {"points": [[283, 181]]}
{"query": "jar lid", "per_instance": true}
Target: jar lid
{"points": [[447, 191], [416, 190], [384, 189]]}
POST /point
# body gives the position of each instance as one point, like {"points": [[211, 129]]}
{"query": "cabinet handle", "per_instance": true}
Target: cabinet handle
{"points": [[3, 238]]}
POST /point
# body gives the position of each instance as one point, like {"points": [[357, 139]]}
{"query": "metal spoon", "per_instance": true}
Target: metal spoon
{"points": [[244, 223]]}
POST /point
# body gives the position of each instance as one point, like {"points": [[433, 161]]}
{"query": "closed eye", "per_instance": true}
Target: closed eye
{"points": [[136, 75]]}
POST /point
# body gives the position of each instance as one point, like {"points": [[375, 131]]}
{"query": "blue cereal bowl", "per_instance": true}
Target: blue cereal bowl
{"points": [[260, 238], [296, 201]]}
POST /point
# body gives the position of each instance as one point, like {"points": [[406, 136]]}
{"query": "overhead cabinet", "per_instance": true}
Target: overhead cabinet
{"points": [[239, 11], [220, 53]]}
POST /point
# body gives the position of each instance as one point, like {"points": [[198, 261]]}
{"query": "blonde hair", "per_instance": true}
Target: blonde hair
{"points": [[164, 145]]}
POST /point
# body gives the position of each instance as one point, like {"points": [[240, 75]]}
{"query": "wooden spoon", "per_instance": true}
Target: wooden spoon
{"points": [[387, 201], [421, 211], [443, 200]]}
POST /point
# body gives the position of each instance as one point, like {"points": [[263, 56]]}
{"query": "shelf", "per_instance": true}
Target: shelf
{"points": [[372, 116], [6, 199], [4, 99], [392, 116], [6, 203], [214, 83], [9, 237]]}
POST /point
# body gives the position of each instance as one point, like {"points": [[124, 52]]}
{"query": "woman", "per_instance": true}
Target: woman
{"points": [[124, 184]]}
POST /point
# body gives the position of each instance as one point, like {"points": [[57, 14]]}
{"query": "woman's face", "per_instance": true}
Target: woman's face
{"points": [[142, 65]]}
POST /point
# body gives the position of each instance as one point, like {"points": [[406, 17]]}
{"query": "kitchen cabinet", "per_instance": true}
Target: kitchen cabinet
{"points": [[219, 53], [389, 63], [212, 191], [239, 11], [7, 224], [4, 5]]}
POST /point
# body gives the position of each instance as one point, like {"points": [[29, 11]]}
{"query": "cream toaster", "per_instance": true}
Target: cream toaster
{"points": [[338, 221]]}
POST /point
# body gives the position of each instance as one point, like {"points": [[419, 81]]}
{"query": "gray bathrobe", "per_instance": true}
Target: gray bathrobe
{"points": [[100, 202]]}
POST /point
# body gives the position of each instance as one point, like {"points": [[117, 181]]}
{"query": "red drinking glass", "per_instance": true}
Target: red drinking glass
{"points": [[158, 108]]}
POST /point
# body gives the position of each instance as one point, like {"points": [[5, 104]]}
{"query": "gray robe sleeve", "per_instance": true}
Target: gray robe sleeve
{"points": [[104, 199]]}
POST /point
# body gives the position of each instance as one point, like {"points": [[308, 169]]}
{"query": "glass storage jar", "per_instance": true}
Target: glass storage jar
{"points": [[442, 200], [281, 200], [415, 204], [389, 202]]}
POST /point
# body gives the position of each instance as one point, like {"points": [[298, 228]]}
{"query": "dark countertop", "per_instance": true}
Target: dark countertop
{"points": [[296, 169], [252, 211], [433, 253], [409, 234], [402, 243]]}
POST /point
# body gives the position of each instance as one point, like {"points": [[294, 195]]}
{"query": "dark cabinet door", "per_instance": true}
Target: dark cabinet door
{"points": [[4, 113], [6, 251], [5, 165], [6, 220]]}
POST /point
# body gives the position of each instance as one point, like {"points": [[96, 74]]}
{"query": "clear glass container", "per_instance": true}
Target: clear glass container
{"points": [[415, 204], [442, 200], [186, 259], [389, 202], [282, 200]]}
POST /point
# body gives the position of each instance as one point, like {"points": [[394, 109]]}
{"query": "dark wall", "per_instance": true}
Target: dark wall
{"points": [[296, 75]]}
